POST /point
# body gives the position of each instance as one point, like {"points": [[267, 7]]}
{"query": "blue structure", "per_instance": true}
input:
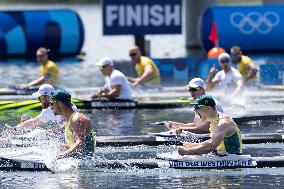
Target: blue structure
{"points": [[184, 69], [272, 74], [140, 17], [253, 28], [23, 32]]}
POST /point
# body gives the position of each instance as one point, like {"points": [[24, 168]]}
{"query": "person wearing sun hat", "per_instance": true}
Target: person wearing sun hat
{"points": [[79, 135], [116, 85], [196, 88], [225, 137], [46, 118], [228, 79]]}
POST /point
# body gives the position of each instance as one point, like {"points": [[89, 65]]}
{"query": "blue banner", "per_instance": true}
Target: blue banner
{"points": [[22, 32], [253, 28], [139, 17]]}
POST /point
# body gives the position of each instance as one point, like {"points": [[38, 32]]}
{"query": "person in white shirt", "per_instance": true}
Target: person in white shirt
{"points": [[25, 117], [47, 118], [196, 88], [228, 79], [116, 85]]}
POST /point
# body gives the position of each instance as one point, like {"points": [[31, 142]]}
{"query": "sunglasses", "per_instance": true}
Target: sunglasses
{"points": [[52, 101], [42, 97], [235, 54], [225, 61], [102, 67], [41, 55], [132, 54], [193, 89], [198, 107]]}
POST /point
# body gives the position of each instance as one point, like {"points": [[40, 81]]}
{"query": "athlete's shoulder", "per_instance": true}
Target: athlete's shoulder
{"points": [[50, 63], [246, 59], [235, 71], [146, 60], [226, 120], [80, 117]]}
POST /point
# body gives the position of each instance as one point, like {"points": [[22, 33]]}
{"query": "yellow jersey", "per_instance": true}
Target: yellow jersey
{"points": [[244, 67], [140, 68], [90, 138], [50, 73], [230, 145]]}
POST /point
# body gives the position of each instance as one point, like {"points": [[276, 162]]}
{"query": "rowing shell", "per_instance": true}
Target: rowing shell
{"points": [[19, 165], [154, 139], [15, 91], [158, 139], [85, 104], [164, 161]]}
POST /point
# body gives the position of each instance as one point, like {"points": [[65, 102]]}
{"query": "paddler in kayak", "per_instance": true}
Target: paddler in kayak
{"points": [[196, 88], [79, 135], [224, 132]]}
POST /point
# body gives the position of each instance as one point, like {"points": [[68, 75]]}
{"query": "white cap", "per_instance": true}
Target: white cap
{"points": [[224, 57], [44, 90], [196, 82], [105, 61]]}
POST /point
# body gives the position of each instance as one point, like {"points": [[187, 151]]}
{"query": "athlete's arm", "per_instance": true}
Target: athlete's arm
{"points": [[252, 72], [131, 79], [240, 85], [175, 125], [197, 149], [31, 123], [211, 81], [37, 82], [79, 129], [145, 76], [100, 93], [191, 127], [114, 93], [209, 145]]}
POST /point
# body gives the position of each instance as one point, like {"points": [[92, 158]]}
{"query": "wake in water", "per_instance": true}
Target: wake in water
{"points": [[42, 146], [252, 101]]}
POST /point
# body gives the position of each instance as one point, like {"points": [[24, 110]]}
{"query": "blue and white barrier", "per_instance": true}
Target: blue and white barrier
{"points": [[253, 28]]}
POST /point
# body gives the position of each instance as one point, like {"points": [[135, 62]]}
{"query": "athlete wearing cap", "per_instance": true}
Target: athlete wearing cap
{"points": [[228, 79], [46, 116], [148, 73], [196, 88], [49, 72], [225, 136], [116, 85], [79, 136]]}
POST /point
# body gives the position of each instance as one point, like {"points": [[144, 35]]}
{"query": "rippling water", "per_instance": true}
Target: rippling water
{"points": [[135, 122]]}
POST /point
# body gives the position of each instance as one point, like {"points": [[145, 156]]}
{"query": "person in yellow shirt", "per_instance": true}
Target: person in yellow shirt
{"points": [[147, 71], [246, 66], [48, 73], [225, 137], [79, 136]]}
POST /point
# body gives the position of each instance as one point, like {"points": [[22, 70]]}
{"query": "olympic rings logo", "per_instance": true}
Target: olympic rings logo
{"points": [[255, 22]]}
